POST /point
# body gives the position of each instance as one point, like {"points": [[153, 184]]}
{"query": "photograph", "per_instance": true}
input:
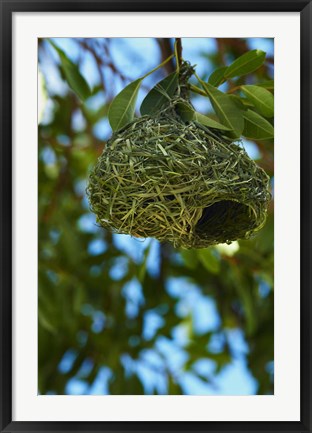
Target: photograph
{"points": [[155, 224], [155, 216]]}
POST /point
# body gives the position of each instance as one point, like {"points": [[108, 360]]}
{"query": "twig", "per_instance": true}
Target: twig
{"points": [[178, 52], [197, 90]]}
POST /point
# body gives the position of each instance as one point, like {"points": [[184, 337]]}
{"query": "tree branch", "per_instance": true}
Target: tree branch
{"points": [[166, 51], [179, 51]]}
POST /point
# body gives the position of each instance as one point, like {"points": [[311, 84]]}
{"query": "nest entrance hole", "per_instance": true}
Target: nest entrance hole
{"points": [[226, 215]]}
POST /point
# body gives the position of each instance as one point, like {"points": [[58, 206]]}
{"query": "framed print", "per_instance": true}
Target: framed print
{"points": [[155, 216]]}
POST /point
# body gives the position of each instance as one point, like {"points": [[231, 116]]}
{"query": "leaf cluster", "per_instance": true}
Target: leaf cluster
{"points": [[245, 110]]}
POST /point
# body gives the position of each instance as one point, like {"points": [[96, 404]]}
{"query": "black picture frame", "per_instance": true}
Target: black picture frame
{"points": [[7, 10]]}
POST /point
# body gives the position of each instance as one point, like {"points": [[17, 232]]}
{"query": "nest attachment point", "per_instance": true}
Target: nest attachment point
{"points": [[161, 177]]}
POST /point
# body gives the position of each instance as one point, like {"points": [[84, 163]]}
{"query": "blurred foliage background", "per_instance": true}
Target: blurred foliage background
{"points": [[118, 315]]}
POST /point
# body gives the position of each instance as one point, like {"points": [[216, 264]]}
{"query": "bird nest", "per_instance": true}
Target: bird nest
{"points": [[177, 181]]}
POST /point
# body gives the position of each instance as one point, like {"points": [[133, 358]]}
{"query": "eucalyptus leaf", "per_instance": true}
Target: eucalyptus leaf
{"points": [[72, 74], [228, 113], [261, 98], [121, 110], [160, 94], [217, 77], [256, 127], [245, 64]]}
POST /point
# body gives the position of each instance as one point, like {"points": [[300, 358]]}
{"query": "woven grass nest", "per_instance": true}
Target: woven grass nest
{"points": [[177, 181]]}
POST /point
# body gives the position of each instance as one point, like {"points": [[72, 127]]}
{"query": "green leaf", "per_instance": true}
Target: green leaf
{"points": [[238, 101], [221, 359], [173, 387], [267, 84], [121, 111], [45, 323], [217, 77], [208, 260], [190, 258], [256, 127], [160, 94], [245, 64], [261, 98], [141, 269], [185, 111], [229, 114], [72, 74], [207, 121], [122, 108]]}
